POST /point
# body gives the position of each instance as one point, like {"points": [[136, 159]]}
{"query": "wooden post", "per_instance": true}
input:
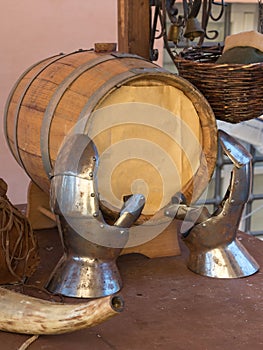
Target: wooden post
{"points": [[134, 27]]}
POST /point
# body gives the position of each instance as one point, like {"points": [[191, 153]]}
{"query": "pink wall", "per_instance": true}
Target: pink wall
{"points": [[31, 30]]}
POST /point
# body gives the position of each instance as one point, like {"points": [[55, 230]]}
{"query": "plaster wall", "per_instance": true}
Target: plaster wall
{"points": [[31, 30]]}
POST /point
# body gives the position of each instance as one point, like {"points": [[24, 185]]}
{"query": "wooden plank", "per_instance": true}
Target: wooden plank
{"points": [[134, 27], [38, 210], [163, 245]]}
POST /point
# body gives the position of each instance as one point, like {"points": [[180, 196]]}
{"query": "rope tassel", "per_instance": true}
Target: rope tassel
{"points": [[18, 246]]}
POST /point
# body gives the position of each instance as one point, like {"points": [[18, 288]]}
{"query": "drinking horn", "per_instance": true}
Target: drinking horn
{"points": [[28, 315]]}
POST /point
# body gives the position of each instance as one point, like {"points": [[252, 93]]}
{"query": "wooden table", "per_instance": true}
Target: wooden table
{"points": [[167, 307]]}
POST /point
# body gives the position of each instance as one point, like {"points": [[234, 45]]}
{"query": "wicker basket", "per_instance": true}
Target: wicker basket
{"points": [[234, 91]]}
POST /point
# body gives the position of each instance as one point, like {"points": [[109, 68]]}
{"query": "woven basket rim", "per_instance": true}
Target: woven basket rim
{"points": [[232, 66]]}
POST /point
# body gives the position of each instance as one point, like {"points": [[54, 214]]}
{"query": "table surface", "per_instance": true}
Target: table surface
{"points": [[167, 306]]}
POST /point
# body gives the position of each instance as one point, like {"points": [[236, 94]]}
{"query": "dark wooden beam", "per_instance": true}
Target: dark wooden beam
{"points": [[134, 27]]}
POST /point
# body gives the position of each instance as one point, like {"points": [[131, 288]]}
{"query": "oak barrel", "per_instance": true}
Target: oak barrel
{"points": [[57, 93]]}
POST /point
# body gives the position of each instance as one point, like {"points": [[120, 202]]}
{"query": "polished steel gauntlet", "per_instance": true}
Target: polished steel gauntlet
{"points": [[91, 246], [214, 249]]}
